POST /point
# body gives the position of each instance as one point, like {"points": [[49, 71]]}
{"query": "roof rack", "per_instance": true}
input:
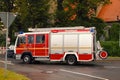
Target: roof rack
{"points": [[60, 28]]}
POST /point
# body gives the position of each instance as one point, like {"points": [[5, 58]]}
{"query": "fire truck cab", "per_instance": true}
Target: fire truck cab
{"points": [[70, 44]]}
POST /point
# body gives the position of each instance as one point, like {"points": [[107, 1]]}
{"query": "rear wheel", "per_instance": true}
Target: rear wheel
{"points": [[27, 59], [71, 60]]}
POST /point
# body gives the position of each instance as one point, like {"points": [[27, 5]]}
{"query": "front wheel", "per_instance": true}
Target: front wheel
{"points": [[71, 60], [27, 59]]}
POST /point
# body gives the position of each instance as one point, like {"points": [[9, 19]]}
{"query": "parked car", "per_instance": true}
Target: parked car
{"points": [[10, 53]]}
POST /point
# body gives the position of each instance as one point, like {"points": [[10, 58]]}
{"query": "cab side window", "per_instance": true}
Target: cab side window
{"points": [[30, 39], [40, 38]]}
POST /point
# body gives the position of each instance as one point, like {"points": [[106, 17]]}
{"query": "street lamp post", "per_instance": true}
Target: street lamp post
{"points": [[7, 17]]}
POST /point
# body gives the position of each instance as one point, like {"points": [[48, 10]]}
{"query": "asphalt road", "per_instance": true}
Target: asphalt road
{"points": [[100, 70]]}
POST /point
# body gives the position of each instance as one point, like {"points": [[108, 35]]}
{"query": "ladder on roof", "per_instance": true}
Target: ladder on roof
{"points": [[55, 28]]}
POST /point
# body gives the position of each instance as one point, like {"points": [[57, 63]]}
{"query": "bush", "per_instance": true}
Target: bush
{"points": [[114, 32], [112, 47]]}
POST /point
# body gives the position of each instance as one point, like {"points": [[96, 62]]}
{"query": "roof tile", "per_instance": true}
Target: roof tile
{"points": [[110, 12]]}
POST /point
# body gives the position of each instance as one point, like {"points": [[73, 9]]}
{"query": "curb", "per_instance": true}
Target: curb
{"points": [[110, 59], [113, 58]]}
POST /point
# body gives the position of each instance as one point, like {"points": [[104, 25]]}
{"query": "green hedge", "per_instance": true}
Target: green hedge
{"points": [[112, 47]]}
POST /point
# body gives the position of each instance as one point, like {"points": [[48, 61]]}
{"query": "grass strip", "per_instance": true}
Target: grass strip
{"points": [[11, 75]]}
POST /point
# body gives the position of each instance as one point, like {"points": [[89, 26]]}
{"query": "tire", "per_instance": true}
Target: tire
{"points": [[71, 60], [8, 55], [27, 59]]}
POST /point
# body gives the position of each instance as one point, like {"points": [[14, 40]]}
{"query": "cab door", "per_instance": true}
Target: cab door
{"points": [[41, 45], [20, 45], [30, 43]]}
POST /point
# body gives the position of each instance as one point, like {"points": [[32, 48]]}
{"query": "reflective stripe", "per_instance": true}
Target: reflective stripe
{"points": [[30, 48], [71, 47]]}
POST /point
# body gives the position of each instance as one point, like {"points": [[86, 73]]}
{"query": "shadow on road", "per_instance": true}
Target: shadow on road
{"points": [[47, 63], [80, 64]]}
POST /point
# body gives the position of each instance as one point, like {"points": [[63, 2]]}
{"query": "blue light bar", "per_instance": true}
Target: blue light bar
{"points": [[21, 32], [91, 30]]}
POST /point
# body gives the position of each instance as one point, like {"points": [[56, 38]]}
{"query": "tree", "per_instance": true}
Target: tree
{"points": [[80, 12], [38, 13], [33, 12], [2, 39], [114, 32], [30, 13]]}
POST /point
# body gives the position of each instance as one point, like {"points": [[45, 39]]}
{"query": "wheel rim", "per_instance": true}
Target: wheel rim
{"points": [[71, 60], [26, 59]]}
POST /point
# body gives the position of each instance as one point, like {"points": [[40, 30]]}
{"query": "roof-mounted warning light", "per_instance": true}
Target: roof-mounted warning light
{"points": [[54, 31], [92, 29], [21, 32]]}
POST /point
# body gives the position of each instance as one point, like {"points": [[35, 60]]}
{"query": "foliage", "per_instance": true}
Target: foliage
{"points": [[78, 10], [1, 25], [112, 47], [35, 13], [80, 13], [114, 32], [11, 76], [2, 39], [112, 43], [30, 13]]}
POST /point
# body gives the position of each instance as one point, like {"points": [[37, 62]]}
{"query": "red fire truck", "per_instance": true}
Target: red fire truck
{"points": [[70, 45]]}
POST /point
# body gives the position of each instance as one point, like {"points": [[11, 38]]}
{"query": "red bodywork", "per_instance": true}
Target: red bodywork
{"points": [[37, 49], [43, 49]]}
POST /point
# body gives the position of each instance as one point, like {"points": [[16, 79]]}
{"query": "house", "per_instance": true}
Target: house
{"points": [[110, 12]]}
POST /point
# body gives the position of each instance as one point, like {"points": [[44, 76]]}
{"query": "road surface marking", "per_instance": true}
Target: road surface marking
{"points": [[101, 78], [8, 62]]}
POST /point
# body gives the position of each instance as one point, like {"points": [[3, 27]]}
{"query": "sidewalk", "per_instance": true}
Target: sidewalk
{"points": [[110, 59], [113, 58]]}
